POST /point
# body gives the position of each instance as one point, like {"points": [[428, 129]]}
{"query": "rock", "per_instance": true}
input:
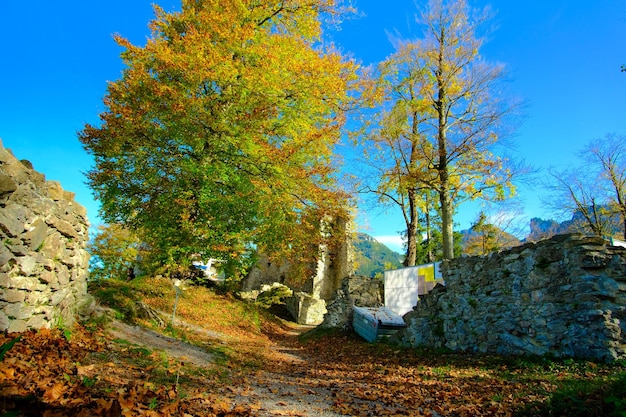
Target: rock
{"points": [[5, 254], [5, 281], [4, 320], [357, 291], [54, 190], [62, 226], [37, 321], [88, 307], [18, 311], [12, 219], [13, 296], [306, 309], [27, 264], [7, 184], [25, 283], [54, 246], [16, 326], [36, 234]]}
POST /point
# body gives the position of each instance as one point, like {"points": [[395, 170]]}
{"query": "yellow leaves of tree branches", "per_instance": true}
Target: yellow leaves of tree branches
{"points": [[443, 117], [230, 110]]}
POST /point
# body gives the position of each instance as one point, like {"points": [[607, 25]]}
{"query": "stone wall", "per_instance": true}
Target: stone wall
{"points": [[306, 309], [43, 261], [328, 265], [357, 291], [333, 262], [565, 297], [265, 272]]}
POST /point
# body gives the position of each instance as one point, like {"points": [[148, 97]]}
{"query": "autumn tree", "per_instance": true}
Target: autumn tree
{"points": [[608, 155], [444, 115], [113, 250], [485, 237], [219, 136], [431, 249], [594, 191], [394, 153]]}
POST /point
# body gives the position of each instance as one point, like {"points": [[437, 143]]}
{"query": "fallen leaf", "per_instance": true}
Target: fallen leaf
{"points": [[85, 370], [54, 392]]}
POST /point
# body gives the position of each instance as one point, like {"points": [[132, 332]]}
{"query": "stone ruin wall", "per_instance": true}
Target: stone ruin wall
{"points": [[333, 264], [355, 290], [564, 297], [43, 260], [329, 267]]}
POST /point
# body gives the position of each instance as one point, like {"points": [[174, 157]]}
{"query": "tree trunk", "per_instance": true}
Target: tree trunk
{"points": [[622, 214], [445, 198], [413, 220], [411, 249], [446, 224], [431, 256], [411, 231]]}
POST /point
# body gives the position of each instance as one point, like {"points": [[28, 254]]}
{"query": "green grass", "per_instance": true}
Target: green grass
{"points": [[569, 387], [598, 395], [318, 333], [120, 296]]}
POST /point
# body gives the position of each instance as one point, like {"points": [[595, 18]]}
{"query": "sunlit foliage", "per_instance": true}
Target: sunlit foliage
{"points": [[218, 138], [113, 250], [443, 116]]}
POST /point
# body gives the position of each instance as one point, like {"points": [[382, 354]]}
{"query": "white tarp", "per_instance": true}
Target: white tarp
{"points": [[404, 286], [401, 289]]}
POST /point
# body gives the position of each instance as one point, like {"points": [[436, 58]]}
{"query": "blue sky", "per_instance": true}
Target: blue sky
{"points": [[563, 57]]}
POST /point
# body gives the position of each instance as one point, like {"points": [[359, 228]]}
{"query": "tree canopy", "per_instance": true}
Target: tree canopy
{"points": [[485, 237], [113, 250], [219, 135], [443, 115]]}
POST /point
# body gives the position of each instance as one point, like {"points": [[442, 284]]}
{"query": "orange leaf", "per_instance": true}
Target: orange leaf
{"points": [[85, 370], [126, 404], [7, 373], [54, 393]]}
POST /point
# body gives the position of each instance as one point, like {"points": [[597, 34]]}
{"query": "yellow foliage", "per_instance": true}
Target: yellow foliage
{"points": [[220, 133]]}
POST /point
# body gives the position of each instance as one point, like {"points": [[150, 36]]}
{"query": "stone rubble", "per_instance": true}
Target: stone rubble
{"points": [[357, 291]]}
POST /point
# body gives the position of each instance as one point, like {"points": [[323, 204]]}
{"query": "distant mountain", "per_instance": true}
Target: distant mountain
{"points": [[372, 257], [540, 228]]}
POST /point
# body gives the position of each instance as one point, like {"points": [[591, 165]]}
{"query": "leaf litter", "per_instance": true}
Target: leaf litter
{"points": [[128, 370]]}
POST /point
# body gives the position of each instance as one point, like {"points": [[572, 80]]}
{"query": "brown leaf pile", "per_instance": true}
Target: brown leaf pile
{"points": [[43, 375], [370, 380], [46, 373]]}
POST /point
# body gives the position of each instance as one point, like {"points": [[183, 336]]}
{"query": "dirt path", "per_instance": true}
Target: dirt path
{"points": [[284, 388], [153, 340], [284, 393]]}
